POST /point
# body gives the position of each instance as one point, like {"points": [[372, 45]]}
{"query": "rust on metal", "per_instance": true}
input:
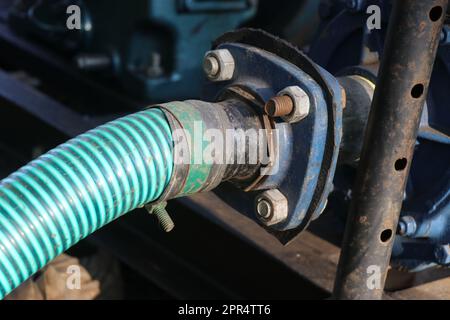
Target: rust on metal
{"points": [[406, 66], [310, 256], [279, 106]]}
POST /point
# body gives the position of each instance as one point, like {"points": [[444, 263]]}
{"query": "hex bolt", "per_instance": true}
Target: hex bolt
{"points": [[155, 69], [271, 207], [90, 61], [279, 106], [442, 254], [301, 104], [264, 209], [407, 226], [219, 65], [159, 210], [211, 66]]}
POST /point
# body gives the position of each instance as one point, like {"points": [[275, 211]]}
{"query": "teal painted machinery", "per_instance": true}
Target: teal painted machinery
{"points": [[151, 49]]}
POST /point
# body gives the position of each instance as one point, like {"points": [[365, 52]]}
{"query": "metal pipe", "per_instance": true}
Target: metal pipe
{"points": [[359, 94], [405, 71]]}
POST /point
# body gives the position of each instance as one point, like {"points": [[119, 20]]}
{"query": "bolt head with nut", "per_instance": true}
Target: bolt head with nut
{"points": [[279, 106], [219, 65], [407, 226], [264, 209], [211, 66], [271, 207], [442, 254], [301, 104]]}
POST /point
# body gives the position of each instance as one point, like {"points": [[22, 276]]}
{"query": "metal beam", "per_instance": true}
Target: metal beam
{"points": [[402, 86]]}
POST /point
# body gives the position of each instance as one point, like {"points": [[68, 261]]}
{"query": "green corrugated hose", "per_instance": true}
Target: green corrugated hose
{"points": [[75, 189]]}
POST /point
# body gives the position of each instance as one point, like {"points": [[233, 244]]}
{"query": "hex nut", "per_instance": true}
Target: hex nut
{"points": [[271, 207], [442, 254], [407, 226], [301, 103], [219, 65]]}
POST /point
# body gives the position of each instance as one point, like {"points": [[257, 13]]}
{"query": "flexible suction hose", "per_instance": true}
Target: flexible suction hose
{"points": [[75, 189]]}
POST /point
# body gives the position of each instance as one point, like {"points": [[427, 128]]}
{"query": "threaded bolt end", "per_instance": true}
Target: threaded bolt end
{"points": [[164, 219], [279, 106], [211, 66], [264, 209], [163, 216]]}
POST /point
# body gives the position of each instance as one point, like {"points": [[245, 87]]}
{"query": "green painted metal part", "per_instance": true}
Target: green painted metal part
{"points": [[193, 123], [75, 189]]}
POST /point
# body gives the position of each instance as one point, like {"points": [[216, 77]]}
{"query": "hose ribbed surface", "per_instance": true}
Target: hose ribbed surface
{"points": [[75, 189]]}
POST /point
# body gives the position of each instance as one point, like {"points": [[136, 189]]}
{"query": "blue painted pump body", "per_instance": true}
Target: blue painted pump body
{"points": [[302, 144]]}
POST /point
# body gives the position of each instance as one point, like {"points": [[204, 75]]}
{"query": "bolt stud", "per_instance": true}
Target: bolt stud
{"points": [[160, 212], [279, 106], [264, 209], [219, 65], [211, 66], [271, 207]]}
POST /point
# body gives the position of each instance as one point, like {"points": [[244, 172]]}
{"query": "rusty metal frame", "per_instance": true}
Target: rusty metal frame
{"points": [[402, 86]]}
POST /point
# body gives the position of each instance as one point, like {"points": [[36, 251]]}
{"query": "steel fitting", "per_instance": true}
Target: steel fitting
{"points": [[218, 65], [271, 207]]}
